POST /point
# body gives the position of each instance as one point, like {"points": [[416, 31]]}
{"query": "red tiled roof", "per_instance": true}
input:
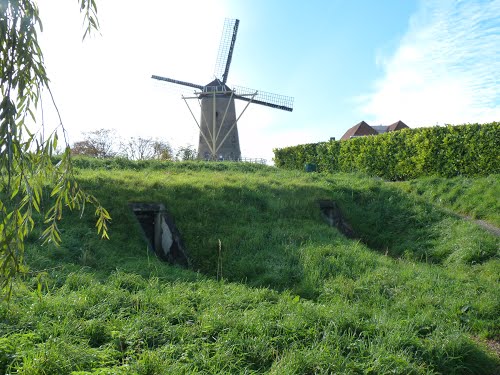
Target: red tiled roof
{"points": [[359, 130], [397, 126]]}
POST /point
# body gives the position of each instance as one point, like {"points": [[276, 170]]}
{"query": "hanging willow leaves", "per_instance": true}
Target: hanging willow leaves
{"points": [[26, 164]]}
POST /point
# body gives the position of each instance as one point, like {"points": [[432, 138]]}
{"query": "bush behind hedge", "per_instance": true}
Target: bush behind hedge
{"points": [[467, 150]]}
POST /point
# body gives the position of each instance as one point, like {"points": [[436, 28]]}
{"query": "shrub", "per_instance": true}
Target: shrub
{"points": [[467, 150]]}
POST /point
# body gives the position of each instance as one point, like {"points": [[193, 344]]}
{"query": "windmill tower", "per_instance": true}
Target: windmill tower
{"points": [[218, 123]]}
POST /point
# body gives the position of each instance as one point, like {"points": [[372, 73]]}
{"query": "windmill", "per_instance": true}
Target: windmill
{"points": [[218, 123]]}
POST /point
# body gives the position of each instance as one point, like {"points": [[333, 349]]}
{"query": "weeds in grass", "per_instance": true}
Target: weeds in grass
{"points": [[219, 261]]}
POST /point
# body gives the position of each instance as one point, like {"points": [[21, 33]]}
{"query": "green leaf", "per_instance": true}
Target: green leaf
{"points": [[54, 141]]}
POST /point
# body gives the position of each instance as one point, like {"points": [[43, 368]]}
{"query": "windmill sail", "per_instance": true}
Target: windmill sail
{"points": [[183, 83], [264, 98], [226, 48]]}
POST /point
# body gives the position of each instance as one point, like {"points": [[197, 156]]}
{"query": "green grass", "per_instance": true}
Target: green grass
{"points": [[410, 296], [475, 197]]}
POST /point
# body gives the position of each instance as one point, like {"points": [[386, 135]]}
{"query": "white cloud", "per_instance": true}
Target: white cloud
{"points": [[446, 69]]}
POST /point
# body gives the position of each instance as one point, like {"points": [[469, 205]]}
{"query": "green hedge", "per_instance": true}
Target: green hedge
{"points": [[468, 150]]}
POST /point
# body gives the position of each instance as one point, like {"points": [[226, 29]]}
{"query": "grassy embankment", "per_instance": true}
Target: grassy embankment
{"points": [[417, 294], [478, 197]]}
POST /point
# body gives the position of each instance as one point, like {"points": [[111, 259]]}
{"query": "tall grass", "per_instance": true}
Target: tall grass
{"points": [[294, 295]]}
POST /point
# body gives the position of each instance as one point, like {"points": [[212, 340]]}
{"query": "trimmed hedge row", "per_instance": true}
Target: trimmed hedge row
{"points": [[468, 150]]}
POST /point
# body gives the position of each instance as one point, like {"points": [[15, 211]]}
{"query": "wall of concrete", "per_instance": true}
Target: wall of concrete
{"points": [[160, 231]]}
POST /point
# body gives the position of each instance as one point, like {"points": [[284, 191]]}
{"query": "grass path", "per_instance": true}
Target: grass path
{"points": [[484, 224], [477, 198]]}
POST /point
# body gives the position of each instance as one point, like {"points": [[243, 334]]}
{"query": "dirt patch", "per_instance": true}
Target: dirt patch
{"points": [[493, 345]]}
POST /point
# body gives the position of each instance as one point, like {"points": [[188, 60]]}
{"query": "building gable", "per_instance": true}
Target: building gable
{"points": [[359, 130], [363, 129]]}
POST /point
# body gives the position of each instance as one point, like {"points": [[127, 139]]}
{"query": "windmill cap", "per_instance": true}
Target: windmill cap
{"points": [[217, 86]]}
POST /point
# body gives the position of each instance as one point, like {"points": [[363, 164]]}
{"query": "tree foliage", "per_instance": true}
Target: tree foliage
{"points": [[96, 143], [27, 173], [187, 152], [147, 148], [105, 143]]}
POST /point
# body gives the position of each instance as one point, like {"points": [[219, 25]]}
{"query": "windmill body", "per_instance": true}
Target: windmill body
{"points": [[219, 138], [218, 114]]}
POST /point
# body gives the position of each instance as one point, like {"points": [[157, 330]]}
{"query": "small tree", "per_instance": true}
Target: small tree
{"points": [[162, 150], [97, 143], [83, 148], [139, 148], [187, 152]]}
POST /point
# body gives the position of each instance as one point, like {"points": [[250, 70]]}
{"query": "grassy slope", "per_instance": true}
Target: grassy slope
{"points": [[475, 197], [297, 297]]}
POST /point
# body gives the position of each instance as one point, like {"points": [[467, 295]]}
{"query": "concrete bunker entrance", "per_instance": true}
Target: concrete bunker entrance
{"points": [[161, 234], [333, 215]]}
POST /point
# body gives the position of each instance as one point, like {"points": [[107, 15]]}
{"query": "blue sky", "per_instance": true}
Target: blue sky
{"points": [[422, 62]]}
